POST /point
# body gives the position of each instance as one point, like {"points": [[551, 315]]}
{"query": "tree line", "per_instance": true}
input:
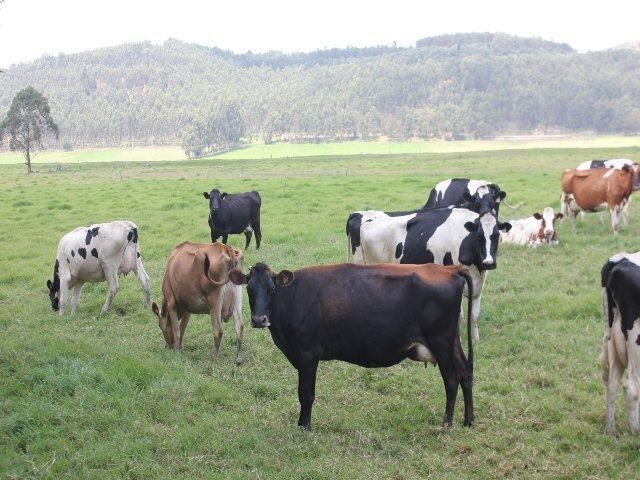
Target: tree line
{"points": [[451, 86]]}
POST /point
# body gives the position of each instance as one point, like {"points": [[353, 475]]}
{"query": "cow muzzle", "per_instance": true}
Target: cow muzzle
{"points": [[489, 265], [260, 321]]}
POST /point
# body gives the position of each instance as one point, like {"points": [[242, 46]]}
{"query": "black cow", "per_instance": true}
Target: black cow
{"points": [[460, 191], [234, 213], [372, 316]]}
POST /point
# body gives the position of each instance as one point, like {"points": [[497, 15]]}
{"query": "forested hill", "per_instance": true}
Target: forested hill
{"points": [[469, 85]]}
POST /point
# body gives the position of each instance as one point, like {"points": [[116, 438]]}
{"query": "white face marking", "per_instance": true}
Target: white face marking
{"points": [[548, 215], [609, 173], [488, 223]]}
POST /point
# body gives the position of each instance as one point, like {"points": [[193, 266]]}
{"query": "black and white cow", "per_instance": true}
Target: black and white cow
{"points": [[620, 281], [231, 213], [369, 315], [446, 236], [458, 191], [94, 254]]}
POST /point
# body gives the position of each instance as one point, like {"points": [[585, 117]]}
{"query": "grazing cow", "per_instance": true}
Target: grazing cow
{"points": [[620, 282], [618, 164], [234, 213], [534, 230], [195, 281], [446, 236], [458, 191], [598, 189], [372, 316], [93, 254]]}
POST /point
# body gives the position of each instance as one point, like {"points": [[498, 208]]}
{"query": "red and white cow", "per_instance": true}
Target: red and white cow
{"points": [[538, 229], [598, 189], [620, 281], [94, 254], [616, 163]]}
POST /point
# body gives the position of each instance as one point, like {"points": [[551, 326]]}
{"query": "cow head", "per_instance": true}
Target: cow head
{"points": [[486, 199], [164, 325], [54, 287], [261, 285], [215, 201], [635, 170], [547, 225], [487, 234]]}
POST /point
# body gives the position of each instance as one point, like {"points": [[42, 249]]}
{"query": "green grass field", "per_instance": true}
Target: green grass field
{"points": [[87, 396], [258, 151]]}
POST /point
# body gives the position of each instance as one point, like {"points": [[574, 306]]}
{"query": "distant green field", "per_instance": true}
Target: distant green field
{"points": [[256, 151], [87, 396]]}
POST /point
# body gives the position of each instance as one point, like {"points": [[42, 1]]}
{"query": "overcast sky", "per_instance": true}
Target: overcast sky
{"points": [[32, 28]]}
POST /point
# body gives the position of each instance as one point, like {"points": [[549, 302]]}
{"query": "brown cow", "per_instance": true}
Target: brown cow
{"points": [[196, 281], [598, 189]]}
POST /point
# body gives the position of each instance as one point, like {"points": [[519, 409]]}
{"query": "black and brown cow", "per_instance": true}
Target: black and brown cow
{"points": [[369, 315], [231, 213]]}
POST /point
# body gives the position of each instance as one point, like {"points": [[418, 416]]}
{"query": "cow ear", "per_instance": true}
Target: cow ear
{"points": [[49, 284], [205, 195], [502, 195], [626, 168], [559, 216], [467, 197], [284, 278], [155, 309], [505, 227], [223, 195], [537, 216], [237, 277], [471, 226]]}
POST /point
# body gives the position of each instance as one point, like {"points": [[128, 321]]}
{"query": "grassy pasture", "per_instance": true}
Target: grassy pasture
{"points": [[99, 397], [258, 150]]}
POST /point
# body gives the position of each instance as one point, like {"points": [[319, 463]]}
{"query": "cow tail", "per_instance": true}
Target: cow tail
{"points": [[608, 273], [349, 248], [463, 272], [207, 265]]}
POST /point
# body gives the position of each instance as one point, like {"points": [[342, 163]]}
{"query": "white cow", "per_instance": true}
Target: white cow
{"points": [[96, 253], [534, 230], [620, 282]]}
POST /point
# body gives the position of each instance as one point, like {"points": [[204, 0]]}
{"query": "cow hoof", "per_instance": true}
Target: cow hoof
{"points": [[611, 432], [468, 423], [239, 359], [306, 428]]}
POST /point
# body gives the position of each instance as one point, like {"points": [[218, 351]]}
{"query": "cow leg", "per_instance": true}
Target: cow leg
{"points": [[475, 314], [76, 297], [224, 238], [184, 320], [615, 218], [216, 321], [451, 383], [111, 276], [239, 325], [248, 234], [174, 323], [601, 217], [466, 382], [143, 278], [62, 295], [625, 213], [613, 376], [256, 229], [306, 391], [633, 380]]}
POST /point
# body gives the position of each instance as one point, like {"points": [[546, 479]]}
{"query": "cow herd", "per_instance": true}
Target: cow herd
{"points": [[398, 297]]}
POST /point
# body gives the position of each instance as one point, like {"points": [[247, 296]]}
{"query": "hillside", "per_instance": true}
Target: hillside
{"points": [[467, 85]]}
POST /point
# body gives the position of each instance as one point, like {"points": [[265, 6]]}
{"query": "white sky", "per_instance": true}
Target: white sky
{"points": [[31, 28]]}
